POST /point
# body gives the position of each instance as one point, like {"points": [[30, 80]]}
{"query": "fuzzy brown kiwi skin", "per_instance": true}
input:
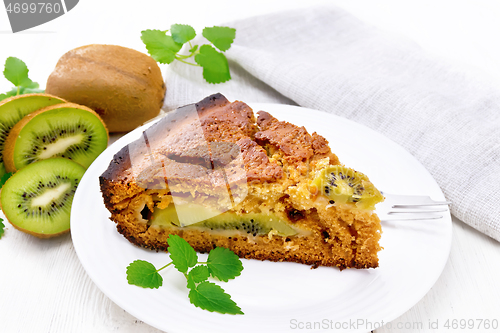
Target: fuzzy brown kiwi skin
{"points": [[124, 86], [10, 142]]}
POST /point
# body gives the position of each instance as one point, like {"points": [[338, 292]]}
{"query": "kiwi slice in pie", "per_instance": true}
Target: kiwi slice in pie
{"points": [[65, 130], [344, 185], [199, 216]]}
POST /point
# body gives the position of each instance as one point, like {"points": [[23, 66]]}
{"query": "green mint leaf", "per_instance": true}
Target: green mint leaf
{"points": [[22, 90], [4, 178], [1, 227], [211, 297], [193, 49], [182, 254], [16, 72], [32, 91], [8, 94], [160, 46], [12, 92], [144, 274], [221, 37], [190, 282], [196, 275], [199, 273], [32, 85], [223, 264], [182, 33], [214, 63]]}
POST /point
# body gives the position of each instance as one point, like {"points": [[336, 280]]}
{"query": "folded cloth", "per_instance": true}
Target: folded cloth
{"points": [[324, 58]]}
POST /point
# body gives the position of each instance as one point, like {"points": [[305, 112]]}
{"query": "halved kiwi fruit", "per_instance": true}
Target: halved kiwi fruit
{"points": [[64, 130], [250, 223], [37, 199], [13, 109], [344, 185]]}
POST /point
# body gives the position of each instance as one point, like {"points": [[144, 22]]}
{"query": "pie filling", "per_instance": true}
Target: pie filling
{"points": [[203, 218]]}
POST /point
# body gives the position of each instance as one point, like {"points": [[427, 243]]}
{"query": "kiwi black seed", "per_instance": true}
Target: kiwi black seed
{"points": [[65, 130], [344, 185], [37, 199], [13, 109]]}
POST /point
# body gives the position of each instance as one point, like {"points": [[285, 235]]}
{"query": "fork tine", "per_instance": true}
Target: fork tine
{"points": [[434, 203], [411, 207], [407, 209], [410, 217], [413, 200]]}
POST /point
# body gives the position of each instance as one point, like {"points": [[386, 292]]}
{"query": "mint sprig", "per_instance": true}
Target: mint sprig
{"points": [[221, 264], [165, 48], [16, 71]]}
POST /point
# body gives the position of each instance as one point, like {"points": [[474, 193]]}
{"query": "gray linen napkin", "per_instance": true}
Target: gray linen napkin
{"points": [[324, 58]]}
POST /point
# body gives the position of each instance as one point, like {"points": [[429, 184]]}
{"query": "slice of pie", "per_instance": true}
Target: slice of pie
{"points": [[215, 175]]}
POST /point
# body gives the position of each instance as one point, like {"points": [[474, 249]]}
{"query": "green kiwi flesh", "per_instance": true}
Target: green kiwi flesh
{"points": [[344, 185], [14, 109], [68, 132], [37, 199], [249, 223]]}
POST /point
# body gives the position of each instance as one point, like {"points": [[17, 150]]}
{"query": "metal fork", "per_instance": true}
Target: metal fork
{"points": [[410, 207]]}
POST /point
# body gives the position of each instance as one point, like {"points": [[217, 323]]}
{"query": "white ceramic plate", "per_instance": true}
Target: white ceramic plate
{"points": [[281, 297]]}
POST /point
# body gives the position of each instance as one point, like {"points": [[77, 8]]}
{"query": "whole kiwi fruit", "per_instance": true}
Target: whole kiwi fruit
{"points": [[124, 86]]}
